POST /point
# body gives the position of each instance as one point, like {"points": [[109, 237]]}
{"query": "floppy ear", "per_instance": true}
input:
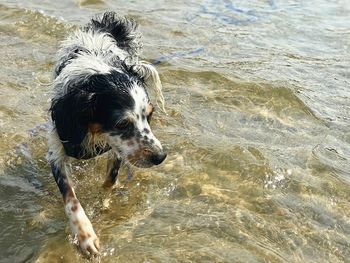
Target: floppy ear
{"points": [[150, 75], [71, 114]]}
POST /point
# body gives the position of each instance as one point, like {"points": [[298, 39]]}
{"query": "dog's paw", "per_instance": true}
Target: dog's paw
{"points": [[82, 230], [87, 240]]}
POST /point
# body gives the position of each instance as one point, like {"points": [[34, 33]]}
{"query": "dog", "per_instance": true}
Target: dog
{"points": [[100, 104]]}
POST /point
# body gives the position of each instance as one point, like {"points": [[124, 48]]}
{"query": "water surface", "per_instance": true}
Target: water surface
{"points": [[257, 95]]}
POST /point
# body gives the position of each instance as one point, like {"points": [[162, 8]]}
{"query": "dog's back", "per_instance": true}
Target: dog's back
{"points": [[106, 40]]}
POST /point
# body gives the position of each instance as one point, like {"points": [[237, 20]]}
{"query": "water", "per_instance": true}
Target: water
{"points": [[257, 95]]}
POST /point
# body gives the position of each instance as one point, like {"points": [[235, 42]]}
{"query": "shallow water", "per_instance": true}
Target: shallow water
{"points": [[258, 170]]}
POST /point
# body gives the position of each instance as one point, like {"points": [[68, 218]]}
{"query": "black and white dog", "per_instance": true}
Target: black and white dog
{"points": [[100, 103]]}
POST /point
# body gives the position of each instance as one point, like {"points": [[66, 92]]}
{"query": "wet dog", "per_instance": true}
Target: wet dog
{"points": [[100, 103]]}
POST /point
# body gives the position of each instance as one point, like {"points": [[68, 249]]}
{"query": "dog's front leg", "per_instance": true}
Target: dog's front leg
{"points": [[113, 165], [80, 224]]}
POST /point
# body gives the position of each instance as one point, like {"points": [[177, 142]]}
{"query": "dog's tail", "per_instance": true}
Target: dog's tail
{"points": [[123, 30]]}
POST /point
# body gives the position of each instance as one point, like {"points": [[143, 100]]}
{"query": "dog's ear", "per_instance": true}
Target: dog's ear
{"points": [[71, 114], [149, 74]]}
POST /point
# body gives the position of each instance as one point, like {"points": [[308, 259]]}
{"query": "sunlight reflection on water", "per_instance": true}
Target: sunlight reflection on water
{"points": [[257, 130]]}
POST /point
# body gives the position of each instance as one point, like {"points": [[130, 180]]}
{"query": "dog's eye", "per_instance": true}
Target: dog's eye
{"points": [[123, 124]]}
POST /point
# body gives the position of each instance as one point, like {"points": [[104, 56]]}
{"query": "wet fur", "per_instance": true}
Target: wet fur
{"points": [[100, 103]]}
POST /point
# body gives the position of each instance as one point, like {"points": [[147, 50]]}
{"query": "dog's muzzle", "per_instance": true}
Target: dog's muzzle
{"points": [[158, 158]]}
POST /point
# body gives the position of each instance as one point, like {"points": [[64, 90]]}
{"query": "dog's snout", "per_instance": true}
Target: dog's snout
{"points": [[158, 158]]}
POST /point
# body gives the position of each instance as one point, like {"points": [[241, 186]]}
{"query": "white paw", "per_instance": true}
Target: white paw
{"points": [[81, 227]]}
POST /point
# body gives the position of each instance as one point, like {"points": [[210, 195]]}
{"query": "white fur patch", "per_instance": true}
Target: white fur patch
{"points": [[141, 103], [95, 42], [138, 115], [56, 150], [101, 51], [81, 227]]}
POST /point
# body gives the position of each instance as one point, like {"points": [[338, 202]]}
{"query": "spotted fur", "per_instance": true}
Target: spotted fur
{"points": [[99, 104]]}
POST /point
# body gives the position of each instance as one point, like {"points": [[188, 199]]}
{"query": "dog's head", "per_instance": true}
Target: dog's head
{"points": [[115, 105]]}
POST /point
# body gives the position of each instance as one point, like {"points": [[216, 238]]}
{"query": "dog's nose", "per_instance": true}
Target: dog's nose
{"points": [[158, 158]]}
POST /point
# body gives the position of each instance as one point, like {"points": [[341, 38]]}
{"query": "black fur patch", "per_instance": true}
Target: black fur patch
{"points": [[71, 114], [100, 98], [60, 178], [120, 28]]}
